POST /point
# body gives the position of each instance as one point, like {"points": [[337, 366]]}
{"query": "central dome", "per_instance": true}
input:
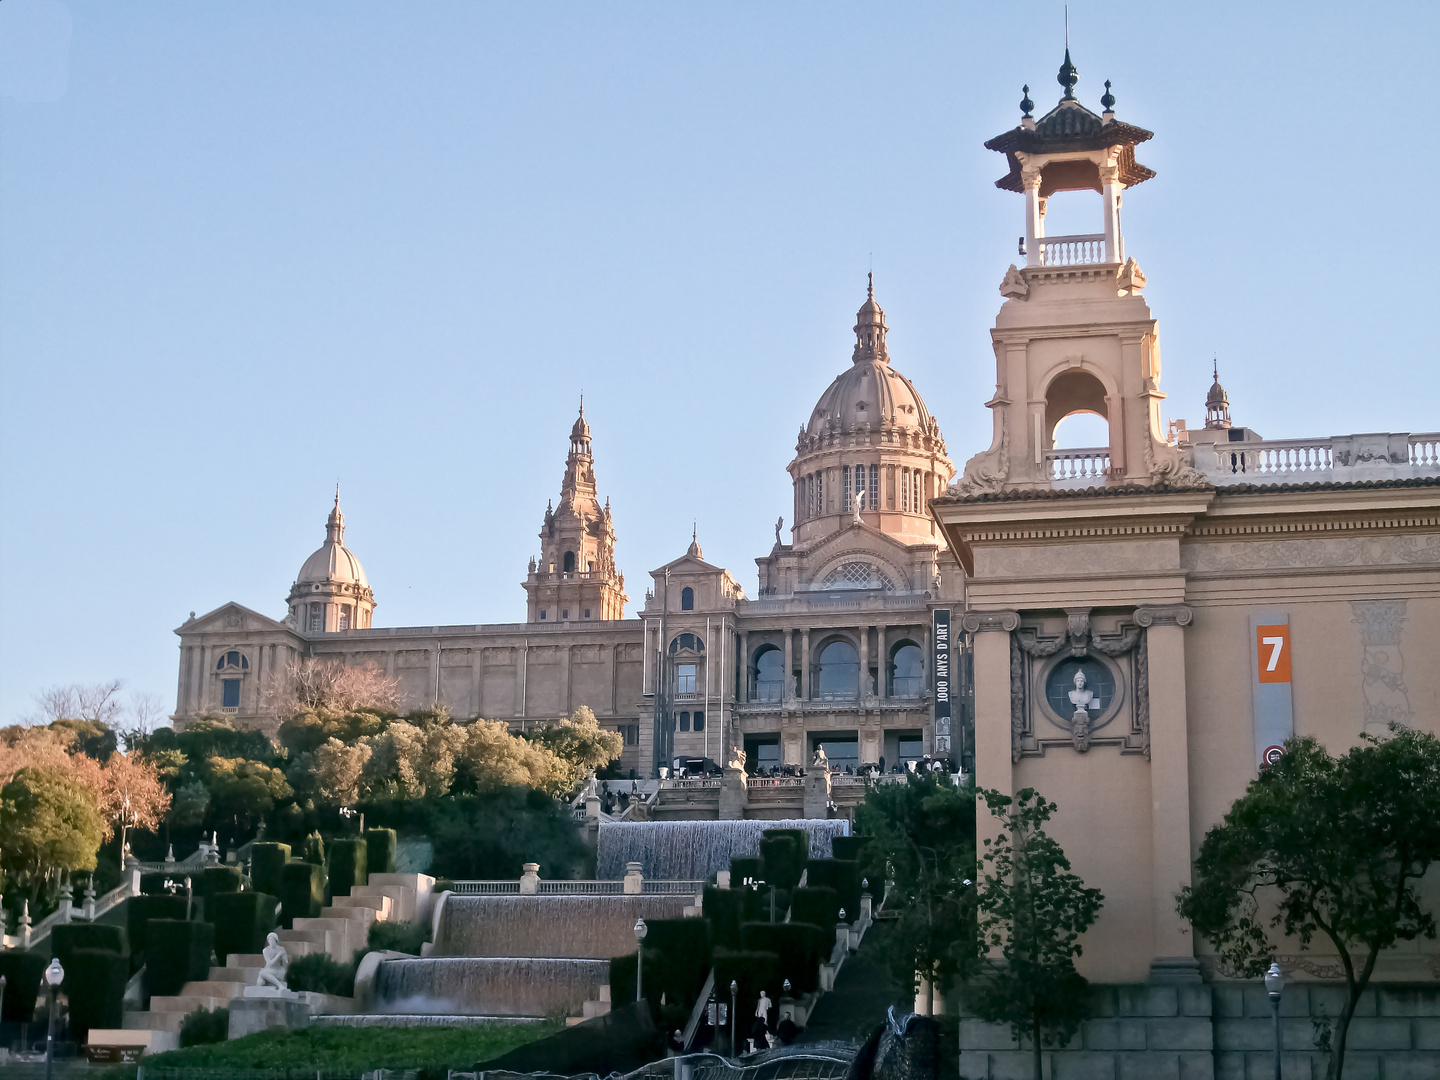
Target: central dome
{"points": [[870, 393], [333, 562]]}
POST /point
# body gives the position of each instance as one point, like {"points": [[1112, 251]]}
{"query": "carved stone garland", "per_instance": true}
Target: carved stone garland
{"points": [[1079, 639]]}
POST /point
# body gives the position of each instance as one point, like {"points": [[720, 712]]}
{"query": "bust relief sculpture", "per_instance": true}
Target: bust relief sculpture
{"points": [[1082, 699]]}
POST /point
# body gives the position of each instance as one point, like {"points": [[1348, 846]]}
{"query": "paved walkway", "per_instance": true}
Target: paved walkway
{"points": [[862, 994]]}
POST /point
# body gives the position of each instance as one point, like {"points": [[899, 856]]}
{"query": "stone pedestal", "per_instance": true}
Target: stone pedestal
{"points": [[733, 795], [251, 1014], [817, 793]]}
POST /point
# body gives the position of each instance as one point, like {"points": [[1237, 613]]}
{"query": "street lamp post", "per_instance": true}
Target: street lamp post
{"points": [[54, 976], [734, 995], [1274, 985], [640, 932]]}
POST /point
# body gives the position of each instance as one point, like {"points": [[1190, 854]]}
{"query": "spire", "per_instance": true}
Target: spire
{"points": [[870, 329], [694, 549], [335, 523], [1217, 402]]}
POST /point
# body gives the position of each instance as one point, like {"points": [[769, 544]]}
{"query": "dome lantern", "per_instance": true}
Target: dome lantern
{"points": [[331, 592]]}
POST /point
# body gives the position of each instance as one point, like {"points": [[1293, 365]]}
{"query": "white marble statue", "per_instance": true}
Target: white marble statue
{"points": [[1081, 698], [737, 759], [820, 761], [276, 961], [857, 504], [762, 1007]]}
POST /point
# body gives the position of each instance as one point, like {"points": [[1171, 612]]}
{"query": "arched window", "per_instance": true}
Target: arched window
{"points": [[569, 563], [907, 670], [687, 643], [838, 673], [687, 599], [233, 659], [769, 674], [858, 575]]}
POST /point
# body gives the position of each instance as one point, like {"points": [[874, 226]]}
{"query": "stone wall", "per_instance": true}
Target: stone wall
{"points": [[1221, 1032]]}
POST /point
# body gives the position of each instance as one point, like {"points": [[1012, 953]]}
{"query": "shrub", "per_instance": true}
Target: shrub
{"points": [[494, 834], [380, 850], [745, 866], [843, 876], [347, 866], [205, 1026], [218, 879], [302, 891], [800, 946], [315, 849], [782, 859], [800, 836], [23, 972], [403, 937], [266, 862], [95, 985], [67, 937], [683, 948], [319, 973], [177, 952], [847, 847], [722, 909], [242, 921], [753, 971], [139, 910], [815, 905]]}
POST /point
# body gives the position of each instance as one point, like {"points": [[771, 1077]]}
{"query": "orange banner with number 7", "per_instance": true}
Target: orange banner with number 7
{"points": [[1272, 652]]}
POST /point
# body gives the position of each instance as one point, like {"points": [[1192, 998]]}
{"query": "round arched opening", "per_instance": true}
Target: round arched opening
{"points": [[769, 674], [569, 562], [838, 672], [1072, 393], [907, 671], [687, 599]]}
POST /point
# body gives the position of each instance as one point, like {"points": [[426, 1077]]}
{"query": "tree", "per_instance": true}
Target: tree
{"points": [[97, 702], [318, 685], [1328, 845], [132, 796], [338, 770], [191, 802], [493, 758], [245, 790], [581, 746], [48, 822], [1033, 910], [922, 833]]}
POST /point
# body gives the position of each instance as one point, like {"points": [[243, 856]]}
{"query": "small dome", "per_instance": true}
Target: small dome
{"points": [[333, 562], [581, 430]]}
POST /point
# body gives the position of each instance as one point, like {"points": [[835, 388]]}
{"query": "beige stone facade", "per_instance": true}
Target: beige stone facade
{"points": [[834, 649], [1217, 592]]}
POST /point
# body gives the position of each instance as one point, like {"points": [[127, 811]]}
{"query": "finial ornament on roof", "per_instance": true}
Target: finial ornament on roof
{"points": [[1068, 76], [870, 286], [1026, 105], [1107, 99]]}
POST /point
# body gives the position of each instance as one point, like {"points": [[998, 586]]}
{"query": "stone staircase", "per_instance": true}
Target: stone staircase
{"points": [[342, 929]]}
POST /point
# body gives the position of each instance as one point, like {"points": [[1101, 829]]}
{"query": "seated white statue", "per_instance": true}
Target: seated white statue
{"points": [[276, 961]]}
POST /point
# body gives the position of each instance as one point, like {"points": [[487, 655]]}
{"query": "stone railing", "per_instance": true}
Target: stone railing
{"points": [[1080, 468], [1080, 249], [575, 888], [1338, 459], [690, 783], [762, 783]]}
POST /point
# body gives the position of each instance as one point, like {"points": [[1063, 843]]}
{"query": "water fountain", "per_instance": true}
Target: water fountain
{"points": [[694, 850]]}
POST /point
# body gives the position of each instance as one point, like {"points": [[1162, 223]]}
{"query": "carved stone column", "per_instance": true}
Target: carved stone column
{"points": [[805, 664], [1174, 950], [863, 683], [789, 692], [745, 665], [881, 663]]}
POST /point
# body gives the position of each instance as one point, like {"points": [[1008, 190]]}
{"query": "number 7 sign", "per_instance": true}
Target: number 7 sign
{"points": [[1272, 653]]}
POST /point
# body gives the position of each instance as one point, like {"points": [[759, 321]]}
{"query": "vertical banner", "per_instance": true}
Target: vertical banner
{"points": [[940, 660], [1270, 684]]}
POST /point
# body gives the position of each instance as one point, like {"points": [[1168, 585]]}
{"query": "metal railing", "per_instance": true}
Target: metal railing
{"points": [[1079, 249]]}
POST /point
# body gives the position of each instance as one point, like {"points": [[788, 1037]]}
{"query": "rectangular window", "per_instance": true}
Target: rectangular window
{"points": [[699, 721], [684, 721], [685, 678], [819, 493], [344, 616], [317, 618], [230, 693], [916, 504], [874, 489], [845, 481], [543, 614], [565, 614], [587, 612]]}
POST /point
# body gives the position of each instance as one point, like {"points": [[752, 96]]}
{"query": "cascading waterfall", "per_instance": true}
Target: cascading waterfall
{"points": [[490, 986], [590, 927], [520, 955], [693, 850]]}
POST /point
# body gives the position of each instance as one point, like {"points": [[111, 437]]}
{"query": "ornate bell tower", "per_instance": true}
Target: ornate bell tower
{"points": [[1074, 334], [575, 579]]}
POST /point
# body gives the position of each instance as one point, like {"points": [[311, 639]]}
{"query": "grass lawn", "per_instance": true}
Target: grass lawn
{"points": [[359, 1050]]}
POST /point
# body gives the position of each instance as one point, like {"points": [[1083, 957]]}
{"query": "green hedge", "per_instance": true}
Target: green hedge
{"points": [[315, 849], [67, 937], [205, 1026], [23, 971], [800, 946], [817, 906], [847, 847], [348, 866], [684, 948], [745, 866], [753, 971], [842, 875], [266, 862], [242, 921], [783, 859], [214, 880], [302, 892], [95, 986], [406, 937], [139, 910], [177, 952], [800, 836], [319, 973], [723, 909], [380, 846]]}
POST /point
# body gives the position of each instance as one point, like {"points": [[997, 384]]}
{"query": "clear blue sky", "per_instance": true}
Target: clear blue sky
{"points": [[248, 249]]}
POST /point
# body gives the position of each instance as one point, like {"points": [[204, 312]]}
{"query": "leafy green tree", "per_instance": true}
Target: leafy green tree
{"points": [[1324, 845], [245, 790], [922, 835], [1033, 909], [581, 745], [187, 809], [48, 822], [494, 834]]}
